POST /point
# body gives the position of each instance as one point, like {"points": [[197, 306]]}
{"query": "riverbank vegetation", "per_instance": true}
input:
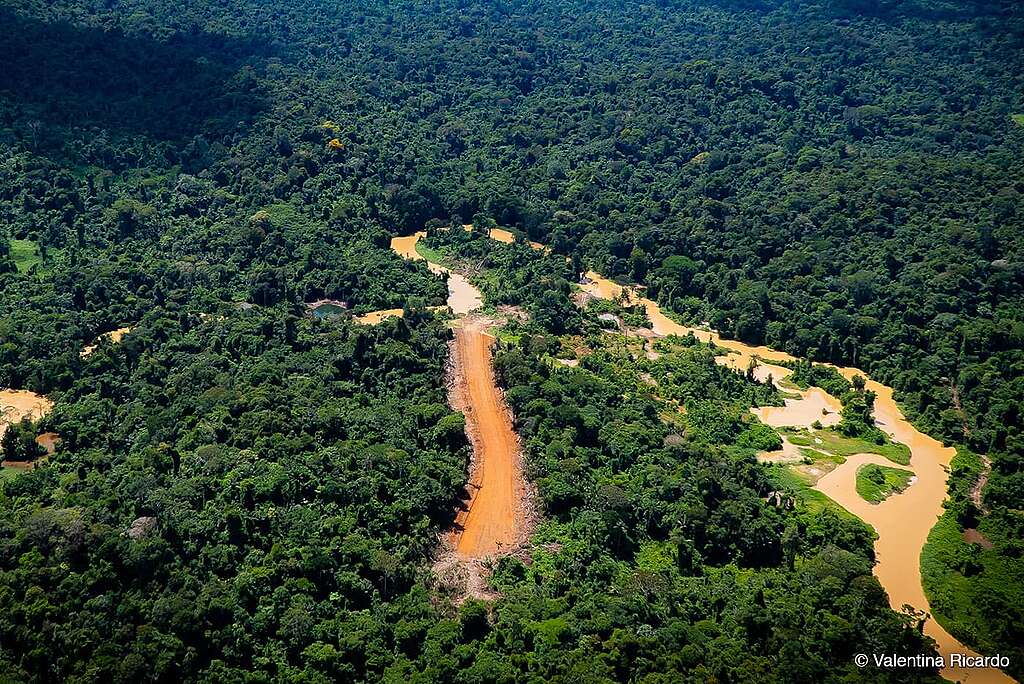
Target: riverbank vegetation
{"points": [[649, 504], [877, 483], [834, 442], [807, 374], [968, 567]]}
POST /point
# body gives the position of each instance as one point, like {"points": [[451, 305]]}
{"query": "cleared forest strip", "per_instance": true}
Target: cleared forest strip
{"points": [[494, 520]]}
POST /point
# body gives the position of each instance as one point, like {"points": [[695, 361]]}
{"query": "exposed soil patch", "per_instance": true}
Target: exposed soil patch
{"points": [[114, 336], [49, 441], [375, 317], [496, 519], [459, 578], [18, 404], [979, 486], [973, 536]]}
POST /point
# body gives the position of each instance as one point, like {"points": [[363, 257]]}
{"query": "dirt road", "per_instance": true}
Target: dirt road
{"points": [[492, 522]]}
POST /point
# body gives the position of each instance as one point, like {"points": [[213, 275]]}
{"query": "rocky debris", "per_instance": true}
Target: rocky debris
{"points": [[141, 527], [781, 500]]}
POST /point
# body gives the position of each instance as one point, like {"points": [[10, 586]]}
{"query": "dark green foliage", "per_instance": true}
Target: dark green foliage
{"points": [[806, 374], [19, 442], [840, 180], [858, 417], [297, 473]]}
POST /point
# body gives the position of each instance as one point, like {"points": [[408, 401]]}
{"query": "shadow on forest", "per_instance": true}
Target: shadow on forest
{"points": [[59, 74]]}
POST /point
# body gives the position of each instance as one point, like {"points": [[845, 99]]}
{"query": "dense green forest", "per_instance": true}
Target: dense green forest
{"points": [[246, 494]]}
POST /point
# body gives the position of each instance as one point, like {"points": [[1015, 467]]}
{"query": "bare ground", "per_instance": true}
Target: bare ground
{"points": [[500, 510]]}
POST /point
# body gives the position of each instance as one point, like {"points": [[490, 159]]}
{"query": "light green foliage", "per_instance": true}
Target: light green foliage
{"points": [[25, 254], [833, 442], [967, 580], [786, 479], [876, 483]]}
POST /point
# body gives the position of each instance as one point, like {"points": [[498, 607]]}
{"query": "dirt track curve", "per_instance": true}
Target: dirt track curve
{"points": [[491, 524], [494, 521]]}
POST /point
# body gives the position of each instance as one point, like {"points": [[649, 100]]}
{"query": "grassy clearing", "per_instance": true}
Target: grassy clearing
{"points": [[1017, 119], [25, 254], [434, 255], [786, 479], [876, 483], [830, 440]]}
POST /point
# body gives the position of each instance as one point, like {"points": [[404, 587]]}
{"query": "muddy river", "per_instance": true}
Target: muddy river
{"points": [[462, 296], [902, 521]]}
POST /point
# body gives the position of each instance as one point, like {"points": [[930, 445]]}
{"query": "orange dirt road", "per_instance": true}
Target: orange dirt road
{"points": [[493, 522]]}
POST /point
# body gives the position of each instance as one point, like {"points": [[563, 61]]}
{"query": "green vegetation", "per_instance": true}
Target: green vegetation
{"points": [[1017, 119], [433, 255], [839, 180], [833, 442], [795, 484], [296, 472], [19, 442], [967, 567], [631, 316], [962, 577], [25, 254], [806, 374], [659, 507], [876, 483]]}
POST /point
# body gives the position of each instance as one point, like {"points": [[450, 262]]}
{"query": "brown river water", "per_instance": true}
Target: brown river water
{"points": [[902, 521], [462, 296]]}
